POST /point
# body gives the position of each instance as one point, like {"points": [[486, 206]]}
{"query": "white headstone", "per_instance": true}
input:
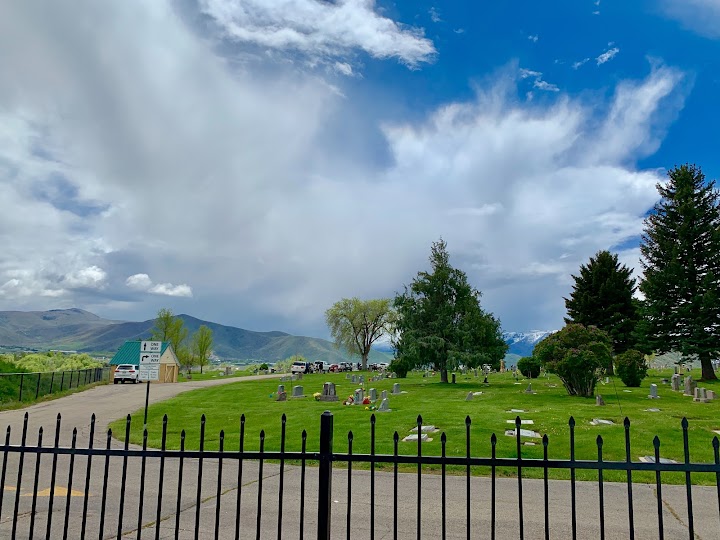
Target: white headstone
{"points": [[599, 401], [373, 394], [383, 394], [396, 388], [297, 391], [653, 392], [358, 397], [384, 406]]}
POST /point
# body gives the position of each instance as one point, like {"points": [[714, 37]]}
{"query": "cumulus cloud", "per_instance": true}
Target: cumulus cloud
{"points": [[142, 282], [168, 289], [701, 16], [546, 86], [580, 63], [320, 29], [92, 277], [271, 192], [607, 56]]}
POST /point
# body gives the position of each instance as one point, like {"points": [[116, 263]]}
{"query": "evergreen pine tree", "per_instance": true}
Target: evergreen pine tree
{"points": [[603, 297], [440, 322], [681, 262]]}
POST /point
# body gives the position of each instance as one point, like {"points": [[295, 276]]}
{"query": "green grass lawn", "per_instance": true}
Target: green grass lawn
{"points": [[212, 374], [444, 406]]}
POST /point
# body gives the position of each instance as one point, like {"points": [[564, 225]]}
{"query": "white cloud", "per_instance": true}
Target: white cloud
{"points": [[271, 191], [140, 282], [701, 16], [168, 289], [607, 56], [580, 63], [534, 38], [435, 15], [344, 68], [320, 29], [528, 73], [91, 277], [546, 86]]}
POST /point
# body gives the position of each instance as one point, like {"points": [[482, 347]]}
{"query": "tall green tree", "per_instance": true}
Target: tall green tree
{"points": [[602, 296], [440, 322], [202, 342], [356, 324], [681, 261], [578, 355], [170, 328]]}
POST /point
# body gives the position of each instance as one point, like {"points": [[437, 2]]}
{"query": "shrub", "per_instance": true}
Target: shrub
{"points": [[264, 366], [400, 367], [631, 367], [577, 355], [529, 366]]}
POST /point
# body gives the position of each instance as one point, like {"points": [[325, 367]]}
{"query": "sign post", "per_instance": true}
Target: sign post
{"points": [[150, 360]]}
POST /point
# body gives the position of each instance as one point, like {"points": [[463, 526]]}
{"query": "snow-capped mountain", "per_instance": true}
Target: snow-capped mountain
{"points": [[523, 343]]}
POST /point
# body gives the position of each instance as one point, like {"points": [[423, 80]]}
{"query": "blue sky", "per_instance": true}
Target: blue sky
{"points": [[250, 162]]}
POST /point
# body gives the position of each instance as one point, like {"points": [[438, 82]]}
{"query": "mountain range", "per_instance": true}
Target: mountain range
{"points": [[78, 330]]}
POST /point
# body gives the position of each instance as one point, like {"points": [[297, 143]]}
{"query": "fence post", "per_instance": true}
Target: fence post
{"points": [[37, 387], [22, 377], [325, 476]]}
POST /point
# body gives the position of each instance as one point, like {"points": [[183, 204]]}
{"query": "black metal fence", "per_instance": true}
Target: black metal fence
{"points": [[31, 386], [111, 489]]}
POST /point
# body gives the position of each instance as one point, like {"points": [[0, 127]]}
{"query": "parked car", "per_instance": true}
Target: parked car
{"points": [[334, 368], [320, 367], [300, 367], [345, 366], [126, 372]]}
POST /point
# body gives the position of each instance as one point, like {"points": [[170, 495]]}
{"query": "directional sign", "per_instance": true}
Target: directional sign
{"points": [[149, 372], [149, 358], [150, 346]]}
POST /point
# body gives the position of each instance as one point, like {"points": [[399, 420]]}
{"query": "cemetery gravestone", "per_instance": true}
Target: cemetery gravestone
{"points": [[298, 391], [373, 394], [383, 394], [384, 406], [690, 386], [675, 383], [396, 388], [599, 401], [281, 388], [328, 392], [529, 389], [469, 396], [653, 392], [358, 397]]}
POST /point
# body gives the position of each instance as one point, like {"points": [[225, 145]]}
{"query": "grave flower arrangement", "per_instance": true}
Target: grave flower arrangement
{"points": [[317, 395]]}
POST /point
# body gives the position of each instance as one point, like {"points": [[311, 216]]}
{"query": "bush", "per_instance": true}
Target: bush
{"points": [[577, 355], [264, 366], [400, 367], [631, 367], [529, 366]]}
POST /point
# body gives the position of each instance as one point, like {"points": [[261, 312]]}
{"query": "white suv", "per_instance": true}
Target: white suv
{"points": [[126, 372], [300, 367]]}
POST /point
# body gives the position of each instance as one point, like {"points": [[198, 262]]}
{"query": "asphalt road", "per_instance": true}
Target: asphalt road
{"points": [[139, 513]]}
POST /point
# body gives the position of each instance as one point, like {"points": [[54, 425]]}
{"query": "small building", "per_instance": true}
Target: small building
{"points": [[129, 353]]}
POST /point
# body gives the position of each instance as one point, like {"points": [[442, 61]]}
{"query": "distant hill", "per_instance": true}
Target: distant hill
{"points": [[523, 343], [82, 331]]}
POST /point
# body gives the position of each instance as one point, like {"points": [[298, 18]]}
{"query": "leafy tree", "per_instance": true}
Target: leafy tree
{"points": [[169, 328], [631, 367], [202, 342], [440, 322], [577, 355], [529, 366], [603, 297], [356, 324], [681, 261], [185, 357]]}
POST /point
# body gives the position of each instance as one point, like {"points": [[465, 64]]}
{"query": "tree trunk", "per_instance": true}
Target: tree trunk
{"points": [[364, 361], [443, 375], [708, 372]]}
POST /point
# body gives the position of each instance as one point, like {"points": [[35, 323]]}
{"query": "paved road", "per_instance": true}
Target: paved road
{"points": [[115, 401]]}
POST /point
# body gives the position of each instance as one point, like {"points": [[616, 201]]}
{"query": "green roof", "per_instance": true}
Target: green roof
{"points": [[129, 353]]}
